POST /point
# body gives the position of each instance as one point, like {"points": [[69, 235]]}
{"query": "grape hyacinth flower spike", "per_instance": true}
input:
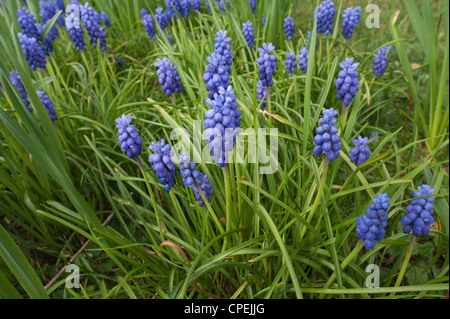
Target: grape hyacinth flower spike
{"points": [[325, 17], [350, 19], [27, 23], [289, 28], [149, 24], [105, 19], [380, 61], [216, 74], [371, 226], [347, 84], [34, 53], [222, 123], [195, 179], [17, 81], [196, 5], [291, 62], [73, 27], [249, 35], [263, 20], [252, 5], [163, 165], [267, 64], [261, 94], [129, 138], [168, 77], [361, 152], [327, 141], [419, 211], [303, 59], [92, 20], [48, 104]]}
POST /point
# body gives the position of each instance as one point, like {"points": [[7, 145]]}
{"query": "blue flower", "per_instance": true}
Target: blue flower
{"points": [[325, 17], [47, 43], [27, 23], [223, 47], [252, 5], [381, 58], [308, 39], [222, 123], [172, 7], [77, 36], [17, 81], [371, 226], [190, 175], [48, 104], [327, 141], [160, 17], [267, 64], [289, 28], [248, 33], [149, 24], [373, 135], [48, 11], [361, 152], [418, 218], [105, 19], [263, 20], [291, 62], [185, 6], [60, 5], [162, 164], [303, 59], [216, 74], [347, 84], [34, 53], [92, 20], [350, 19], [168, 77], [129, 138], [197, 5], [261, 94]]}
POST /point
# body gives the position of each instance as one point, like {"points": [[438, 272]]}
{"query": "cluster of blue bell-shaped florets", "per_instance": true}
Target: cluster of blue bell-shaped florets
{"points": [[350, 19], [221, 123], [371, 226], [325, 17], [291, 62], [267, 64], [129, 138], [303, 59], [380, 61], [169, 78], [48, 104], [17, 81], [347, 84], [163, 165], [361, 152], [327, 141], [419, 212], [248, 32], [289, 28]]}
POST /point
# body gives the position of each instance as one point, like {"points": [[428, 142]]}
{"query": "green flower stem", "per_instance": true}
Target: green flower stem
{"points": [[319, 195], [150, 191], [405, 262], [226, 176]]}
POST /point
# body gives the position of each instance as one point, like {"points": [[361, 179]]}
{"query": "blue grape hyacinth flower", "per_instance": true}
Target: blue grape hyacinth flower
{"points": [[48, 10], [361, 152], [27, 23], [325, 17], [17, 81], [371, 226], [48, 104], [222, 46], [160, 17], [105, 19], [303, 59], [261, 94], [92, 21], [252, 5], [380, 61], [196, 5], [163, 165], [168, 77], [192, 178], [149, 24], [34, 53], [267, 64], [327, 141], [263, 20], [249, 34], [373, 135], [347, 84], [291, 62], [419, 211], [129, 139], [216, 74], [350, 19], [186, 7], [222, 123], [47, 43], [289, 28]]}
